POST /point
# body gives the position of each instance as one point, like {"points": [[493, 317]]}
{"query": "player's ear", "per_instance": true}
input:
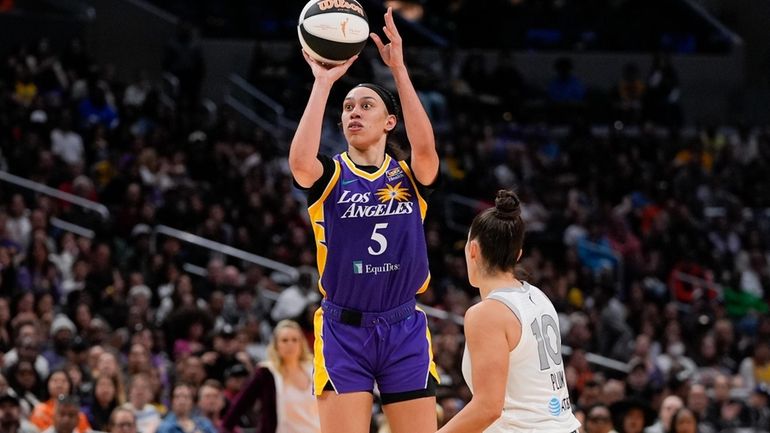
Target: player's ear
{"points": [[474, 249], [390, 123]]}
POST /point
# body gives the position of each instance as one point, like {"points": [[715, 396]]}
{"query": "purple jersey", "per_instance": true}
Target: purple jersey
{"points": [[369, 236]]}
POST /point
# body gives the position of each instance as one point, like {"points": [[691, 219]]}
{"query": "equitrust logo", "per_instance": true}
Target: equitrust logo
{"points": [[360, 268]]}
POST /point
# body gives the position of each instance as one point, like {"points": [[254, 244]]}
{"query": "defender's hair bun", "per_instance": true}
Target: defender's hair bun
{"points": [[507, 205]]}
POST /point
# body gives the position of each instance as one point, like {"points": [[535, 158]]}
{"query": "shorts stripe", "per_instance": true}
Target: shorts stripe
{"points": [[320, 375], [432, 369]]}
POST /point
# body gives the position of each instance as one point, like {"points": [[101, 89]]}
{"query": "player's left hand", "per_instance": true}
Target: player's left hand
{"points": [[392, 53]]}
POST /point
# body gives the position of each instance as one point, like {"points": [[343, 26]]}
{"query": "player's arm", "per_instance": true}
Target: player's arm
{"points": [[489, 348], [419, 130], [304, 165]]}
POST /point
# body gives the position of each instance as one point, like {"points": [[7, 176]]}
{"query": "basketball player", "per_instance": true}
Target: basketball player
{"points": [[512, 360], [367, 210]]}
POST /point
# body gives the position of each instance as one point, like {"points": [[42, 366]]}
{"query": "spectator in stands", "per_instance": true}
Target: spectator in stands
{"points": [[698, 403], [235, 380], [28, 342], [668, 408], [66, 143], [26, 383], [565, 87], [281, 385], [598, 419], [18, 226], [48, 413], [759, 408], [662, 99], [11, 420], [632, 415], [684, 421], [25, 90], [630, 92], [139, 396], [123, 421], [104, 399], [66, 416], [755, 369], [63, 332], [211, 402], [182, 418], [183, 58], [95, 110]]}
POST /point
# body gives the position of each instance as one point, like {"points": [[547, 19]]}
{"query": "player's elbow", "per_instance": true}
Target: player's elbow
{"points": [[299, 166], [489, 411]]}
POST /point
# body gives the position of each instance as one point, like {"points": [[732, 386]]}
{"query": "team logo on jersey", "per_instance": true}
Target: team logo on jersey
{"points": [[394, 174], [391, 192], [554, 406]]}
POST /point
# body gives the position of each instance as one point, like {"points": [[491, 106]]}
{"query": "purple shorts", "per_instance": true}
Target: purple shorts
{"points": [[354, 350]]}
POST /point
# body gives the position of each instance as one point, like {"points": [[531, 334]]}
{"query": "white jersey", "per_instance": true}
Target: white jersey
{"points": [[536, 395]]}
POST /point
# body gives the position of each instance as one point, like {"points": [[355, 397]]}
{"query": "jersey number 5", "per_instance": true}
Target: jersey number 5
{"points": [[381, 240], [544, 341]]}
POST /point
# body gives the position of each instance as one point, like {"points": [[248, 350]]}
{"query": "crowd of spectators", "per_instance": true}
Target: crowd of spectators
{"points": [[653, 244], [592, 25]]}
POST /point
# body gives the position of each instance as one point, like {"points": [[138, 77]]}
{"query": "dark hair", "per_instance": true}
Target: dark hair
{"points": [[500, 232], [388, 98], [679, 413], [66, 376]]}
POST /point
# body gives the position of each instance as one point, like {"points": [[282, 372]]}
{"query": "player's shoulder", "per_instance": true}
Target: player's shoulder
{"points": [[487, 313]]}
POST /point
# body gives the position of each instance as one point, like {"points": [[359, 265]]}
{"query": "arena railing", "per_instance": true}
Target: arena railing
{"points": [[221, 248], [700, 285], [72, 228], [53, 192], [257, 107]]}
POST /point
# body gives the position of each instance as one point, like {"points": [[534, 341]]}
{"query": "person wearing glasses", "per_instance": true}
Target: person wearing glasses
{"points": [[123, 420], [598, 419]]}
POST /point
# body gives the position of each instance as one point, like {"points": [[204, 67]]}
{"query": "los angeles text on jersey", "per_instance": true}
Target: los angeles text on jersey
{"points": [[359, 209]]}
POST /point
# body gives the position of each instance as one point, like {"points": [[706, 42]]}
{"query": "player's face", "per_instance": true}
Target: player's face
{"points": [[365, 119]]}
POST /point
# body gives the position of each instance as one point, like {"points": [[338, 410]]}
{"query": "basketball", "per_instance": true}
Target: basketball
{"points": [[332, 31]]}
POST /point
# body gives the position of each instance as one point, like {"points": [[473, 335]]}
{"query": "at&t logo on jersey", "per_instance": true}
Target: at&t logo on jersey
{"points": [[556, 407], [394, 200]]}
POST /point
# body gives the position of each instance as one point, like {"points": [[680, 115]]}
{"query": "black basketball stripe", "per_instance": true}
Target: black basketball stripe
{"points": [[354, 9], [329, 49]]}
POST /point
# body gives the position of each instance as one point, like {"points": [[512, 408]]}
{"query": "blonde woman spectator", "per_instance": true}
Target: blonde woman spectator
{"points": [[282, 385]]}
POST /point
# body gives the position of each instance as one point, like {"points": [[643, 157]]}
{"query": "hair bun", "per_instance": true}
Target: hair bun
{"points": [[507, 205]]}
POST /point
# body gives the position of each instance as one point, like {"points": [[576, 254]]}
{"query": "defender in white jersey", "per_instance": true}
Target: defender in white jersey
{"points": [[512, 361]]}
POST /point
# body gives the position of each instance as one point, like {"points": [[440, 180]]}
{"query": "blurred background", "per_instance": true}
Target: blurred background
{"points": [[148, 217]]}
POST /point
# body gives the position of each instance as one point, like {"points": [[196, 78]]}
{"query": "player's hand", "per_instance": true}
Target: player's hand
{"points": [[392, 53], [330, 73]]}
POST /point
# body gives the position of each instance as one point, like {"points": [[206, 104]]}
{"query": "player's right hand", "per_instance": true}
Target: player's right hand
{"points": [[329, 73]]}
